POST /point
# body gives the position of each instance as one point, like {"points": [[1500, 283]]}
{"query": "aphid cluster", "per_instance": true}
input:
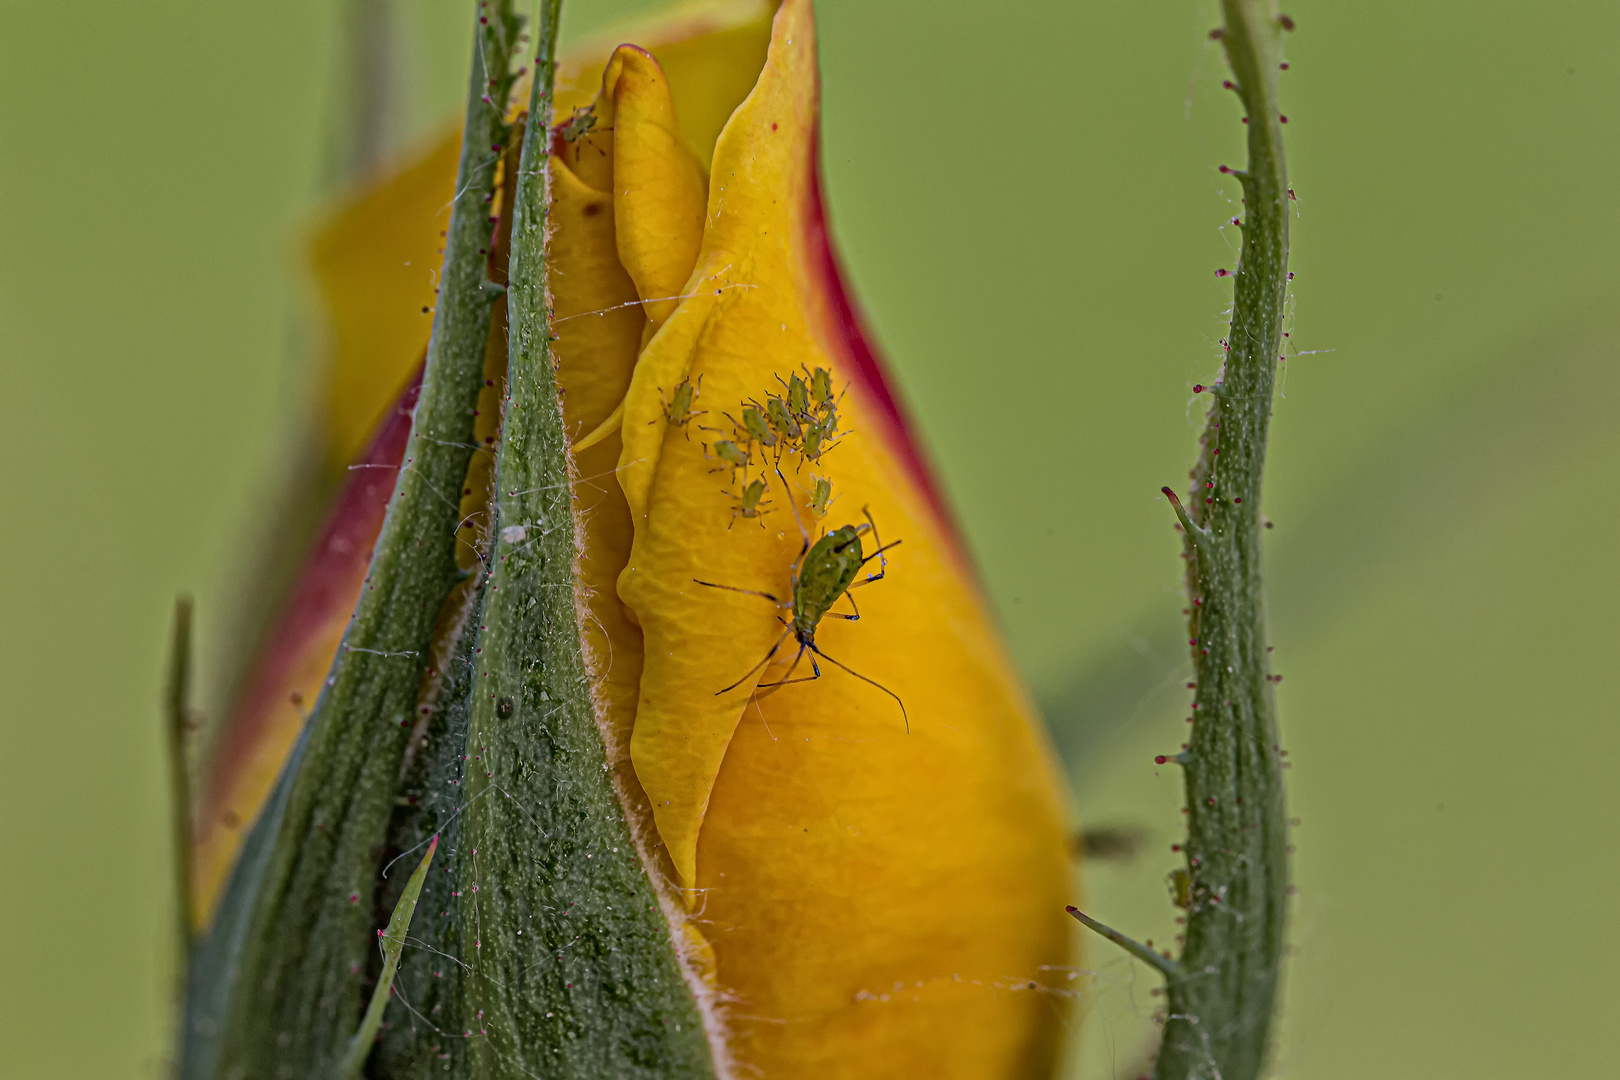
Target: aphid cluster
{"points": [[801, 421]]}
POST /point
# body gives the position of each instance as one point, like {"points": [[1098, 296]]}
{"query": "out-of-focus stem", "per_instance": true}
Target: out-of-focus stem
{"points": [[1219, 1020], [177, 723]]}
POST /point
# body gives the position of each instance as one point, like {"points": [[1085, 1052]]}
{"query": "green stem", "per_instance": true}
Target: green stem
{"points": [[1162, 964], [277, 989], [572, 969], [177, 701], [1221, 1009]]}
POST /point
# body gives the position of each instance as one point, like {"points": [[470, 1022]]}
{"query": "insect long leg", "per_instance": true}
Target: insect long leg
{"points": [[883, 565], [786, 676], [903, 714], [745, 592], [761, 664], [852, 603], [814, 667]]}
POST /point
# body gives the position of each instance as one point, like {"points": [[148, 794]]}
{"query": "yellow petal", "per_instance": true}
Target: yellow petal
{"points": [[377, 257], [710, 51], [598, 324], [878, 903], [660, 190]]}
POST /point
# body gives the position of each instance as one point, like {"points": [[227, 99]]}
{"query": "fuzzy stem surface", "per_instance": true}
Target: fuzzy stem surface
{"points": [[1221, 1006], [571, 967]]}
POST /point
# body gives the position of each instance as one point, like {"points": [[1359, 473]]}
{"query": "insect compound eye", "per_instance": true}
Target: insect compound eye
{"points": [[504, 707]]}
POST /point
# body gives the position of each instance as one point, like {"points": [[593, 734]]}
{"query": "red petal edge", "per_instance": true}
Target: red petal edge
{"points": [[329, 581], [849, 336]]}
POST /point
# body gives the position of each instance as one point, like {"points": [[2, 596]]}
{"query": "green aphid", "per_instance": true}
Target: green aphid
{"points": [[823, 572], [811, 447], [579, 124], [754, 424], [782, 418], [1181, 884], [751, 503], [820, 496], [798, 398], [678, 409], [821, 386], [731, 453], [818, 434]]}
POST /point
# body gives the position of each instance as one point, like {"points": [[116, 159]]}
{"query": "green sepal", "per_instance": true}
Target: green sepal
{"points": [[277, 985], [393, 943], [571, 965]]}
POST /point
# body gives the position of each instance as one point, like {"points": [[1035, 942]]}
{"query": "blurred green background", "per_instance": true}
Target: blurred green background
{"points": [[1028, 200]]}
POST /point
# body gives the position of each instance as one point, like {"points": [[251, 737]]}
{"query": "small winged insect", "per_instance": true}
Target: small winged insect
{"points": [[678, 407], [751, 503], [823, 572]]}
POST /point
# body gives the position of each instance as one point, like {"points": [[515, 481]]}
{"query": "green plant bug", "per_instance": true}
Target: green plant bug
{"points": [[823, 572], [798, 397], [580, 123], [818, 434], [1181, 886]]}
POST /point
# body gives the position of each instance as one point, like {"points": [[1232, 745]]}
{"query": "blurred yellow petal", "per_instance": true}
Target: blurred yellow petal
{"points": [[375, 262]]}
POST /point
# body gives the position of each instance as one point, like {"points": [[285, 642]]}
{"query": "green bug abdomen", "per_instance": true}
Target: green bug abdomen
{"points": [[829, 569]]}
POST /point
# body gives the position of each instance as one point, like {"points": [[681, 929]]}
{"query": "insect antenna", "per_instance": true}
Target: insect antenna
{"points": [[794, 506], [745, 592], [903, 714]]}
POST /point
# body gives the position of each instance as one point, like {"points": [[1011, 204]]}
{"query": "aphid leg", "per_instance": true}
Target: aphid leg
{"points": [[903, 714], [839, 615], [883, 564], [785, 681], [794, 506], [745, 592], [759, 665]]}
